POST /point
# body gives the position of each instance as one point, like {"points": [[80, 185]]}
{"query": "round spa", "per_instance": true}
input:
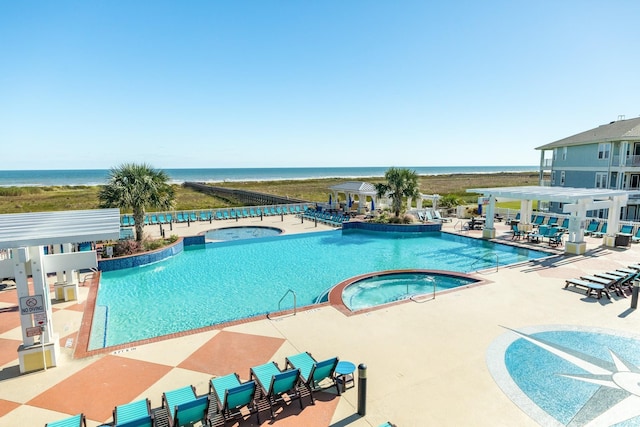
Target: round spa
{"points": [[384, 288], [240, 233]]}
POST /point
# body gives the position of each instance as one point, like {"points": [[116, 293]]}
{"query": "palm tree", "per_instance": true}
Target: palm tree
{"points": [[400, 183], [136, 186]]}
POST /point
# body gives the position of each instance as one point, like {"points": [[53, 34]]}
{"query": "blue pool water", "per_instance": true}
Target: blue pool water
{"points": [[387, 288], [232, 280]]}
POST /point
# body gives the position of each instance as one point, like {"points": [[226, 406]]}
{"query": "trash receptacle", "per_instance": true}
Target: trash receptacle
{"points": [[623, 239]]}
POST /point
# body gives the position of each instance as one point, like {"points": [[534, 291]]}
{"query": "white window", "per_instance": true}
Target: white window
{"points": [[561, 177], [564, 153], [601, 180], [603, 150]]}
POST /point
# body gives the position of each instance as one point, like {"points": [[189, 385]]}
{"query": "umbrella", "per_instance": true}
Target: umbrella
{"points": [[350, 201], [373, 205], [329, 199]]}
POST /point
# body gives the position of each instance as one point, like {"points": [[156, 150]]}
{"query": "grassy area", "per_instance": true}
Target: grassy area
{"points": [[56, 198]]}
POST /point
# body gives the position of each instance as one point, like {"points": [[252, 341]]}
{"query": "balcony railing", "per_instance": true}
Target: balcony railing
{"points": [[631, 161]]}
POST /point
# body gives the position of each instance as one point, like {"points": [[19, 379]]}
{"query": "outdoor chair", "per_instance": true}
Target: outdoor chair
{"points": [[134, 414], [636, 237], [626, 230], [232, 395], [565, 224], [555, 238], [591, 228], [517, 234], [184, 407], [602, 232], [538, 220], [313, 372], [274, 383], [75, 421], [591, 287]]}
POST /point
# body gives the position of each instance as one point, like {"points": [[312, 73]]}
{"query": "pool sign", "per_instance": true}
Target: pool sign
{"points": [[34, 332], [32, 304]]}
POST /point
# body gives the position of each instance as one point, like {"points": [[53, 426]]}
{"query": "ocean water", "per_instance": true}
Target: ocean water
{"points": [[99, 176]]}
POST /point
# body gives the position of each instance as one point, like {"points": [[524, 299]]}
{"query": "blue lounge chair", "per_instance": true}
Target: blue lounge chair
{"points": [[313, 372], [636, 237], [154, 219], [184, 407], [124, 221], [626, 230], [274, 383], [272, 211], [134, 414], [232, 395], [162, 219], [591, 287], [180, 217], [259, 212], [204, 216], [252, 213], [75, 421], [193, 217], [591, 228], [225, 215], [552, 221], [565, 224], [555, 238], [218, 215], [245, 214], [538, 220], [517, 234], [602, 232]]}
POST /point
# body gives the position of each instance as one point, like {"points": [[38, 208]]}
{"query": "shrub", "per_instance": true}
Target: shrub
{"points": [[173, 238], [151, 245], [125, 247]]}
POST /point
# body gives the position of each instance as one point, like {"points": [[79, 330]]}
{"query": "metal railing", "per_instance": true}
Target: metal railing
{"points": [[482, 258], [295, 304]]}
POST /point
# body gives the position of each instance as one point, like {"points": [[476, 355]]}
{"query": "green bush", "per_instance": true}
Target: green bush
{"points": [[173, 238], [152, 245]]}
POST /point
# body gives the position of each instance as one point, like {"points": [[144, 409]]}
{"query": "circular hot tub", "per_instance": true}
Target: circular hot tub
{"points": [[240, 233], [381, 288]]}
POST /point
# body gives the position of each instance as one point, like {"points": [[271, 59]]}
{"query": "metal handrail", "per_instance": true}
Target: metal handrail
{"points": [[295, 298], [484, 256]]}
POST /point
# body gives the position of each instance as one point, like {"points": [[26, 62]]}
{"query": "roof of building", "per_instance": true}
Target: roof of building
{"points": [[620, 130], [354, 187], [551, 194], [47, 228]]}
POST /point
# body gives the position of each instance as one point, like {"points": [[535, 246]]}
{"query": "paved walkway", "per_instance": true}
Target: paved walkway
{"points": [[427, 362]]}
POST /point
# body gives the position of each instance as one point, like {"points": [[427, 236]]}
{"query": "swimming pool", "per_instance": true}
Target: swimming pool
{"points": [[233, 280], [239, 233]]}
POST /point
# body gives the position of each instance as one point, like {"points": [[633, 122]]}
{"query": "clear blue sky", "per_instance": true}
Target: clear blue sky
{"points": [[266, 83]]}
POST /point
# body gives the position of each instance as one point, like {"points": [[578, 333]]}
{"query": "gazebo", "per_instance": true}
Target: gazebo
{"points": [[576, 202], [354, 192], [23, 238]]}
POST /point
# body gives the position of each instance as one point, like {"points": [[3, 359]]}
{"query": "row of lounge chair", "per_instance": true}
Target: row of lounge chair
{"points": [[601, 283], [333, 219], [552, 234], [153, 219], [228, 397], [431, 215]]}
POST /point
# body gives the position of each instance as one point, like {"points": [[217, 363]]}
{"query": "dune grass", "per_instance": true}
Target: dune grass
{"points": [[57, 198]]}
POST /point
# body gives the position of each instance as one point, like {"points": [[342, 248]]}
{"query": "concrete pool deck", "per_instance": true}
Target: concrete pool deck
{"points": [[426, 361]]}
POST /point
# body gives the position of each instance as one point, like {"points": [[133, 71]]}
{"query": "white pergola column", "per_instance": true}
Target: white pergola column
{"points": [[34, 356], [613, 221], [526, 209], [489, 232]]}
